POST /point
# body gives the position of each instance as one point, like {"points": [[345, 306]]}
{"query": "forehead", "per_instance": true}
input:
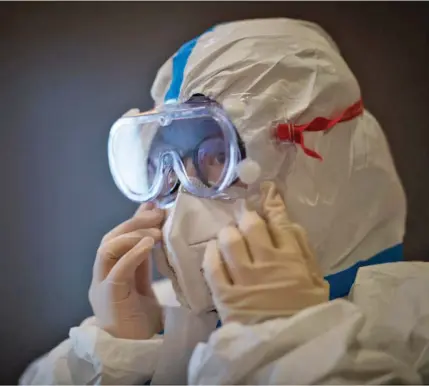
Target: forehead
{"points": [[185, 135]]}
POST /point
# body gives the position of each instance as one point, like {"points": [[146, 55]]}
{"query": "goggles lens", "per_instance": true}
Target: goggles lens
{"points": [[151, 154]]}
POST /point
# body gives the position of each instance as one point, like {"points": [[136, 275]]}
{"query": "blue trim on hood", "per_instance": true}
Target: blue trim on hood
{"points": [[180, 59]]}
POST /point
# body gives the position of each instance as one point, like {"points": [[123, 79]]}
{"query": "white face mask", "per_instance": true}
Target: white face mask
{"points": [[191, 223]]}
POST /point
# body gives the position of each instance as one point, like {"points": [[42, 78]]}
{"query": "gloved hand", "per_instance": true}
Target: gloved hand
{"points": [[264, 269], [121, 294]]}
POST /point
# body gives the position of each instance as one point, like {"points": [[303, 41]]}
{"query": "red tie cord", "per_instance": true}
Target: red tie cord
{"points": [[294, 133]]}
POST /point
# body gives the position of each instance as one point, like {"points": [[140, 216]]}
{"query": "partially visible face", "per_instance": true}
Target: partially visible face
{"points": [[201, 147]]}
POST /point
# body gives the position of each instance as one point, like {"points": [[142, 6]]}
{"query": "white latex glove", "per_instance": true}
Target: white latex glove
{"points": [[264, 269], [121, 294]]}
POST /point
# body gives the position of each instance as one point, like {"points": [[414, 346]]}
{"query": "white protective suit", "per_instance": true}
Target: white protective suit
{"points": [[352, 205]]}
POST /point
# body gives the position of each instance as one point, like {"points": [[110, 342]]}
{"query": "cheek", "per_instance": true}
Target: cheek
{"points": [[211, 172], [214, 172]]}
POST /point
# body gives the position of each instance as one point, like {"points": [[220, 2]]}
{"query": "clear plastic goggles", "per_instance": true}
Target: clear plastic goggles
{"points": [[193, 144]]}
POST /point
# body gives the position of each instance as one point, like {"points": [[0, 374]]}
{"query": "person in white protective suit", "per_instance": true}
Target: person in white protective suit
{"points": [[259, 133]]}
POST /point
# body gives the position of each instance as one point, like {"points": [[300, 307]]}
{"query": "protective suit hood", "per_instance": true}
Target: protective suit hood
{"points": [[268, 71]]}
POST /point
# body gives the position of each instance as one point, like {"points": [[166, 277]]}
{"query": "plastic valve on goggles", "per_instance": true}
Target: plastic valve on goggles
{"points": [[248, 171]]}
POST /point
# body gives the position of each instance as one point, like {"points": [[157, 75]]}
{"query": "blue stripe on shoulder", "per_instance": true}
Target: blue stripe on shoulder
{"points": [[341, 282], [180, 60]]}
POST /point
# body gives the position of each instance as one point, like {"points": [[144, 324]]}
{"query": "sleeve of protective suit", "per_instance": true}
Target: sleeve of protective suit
{"points": [[380, 335], [91, 356]]}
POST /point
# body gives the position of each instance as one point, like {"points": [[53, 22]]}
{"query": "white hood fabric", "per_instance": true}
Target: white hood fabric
{"points": [[352, 205]]}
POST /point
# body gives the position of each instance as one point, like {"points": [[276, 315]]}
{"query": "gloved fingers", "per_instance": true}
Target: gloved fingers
{"points": [[144, 220], [143, 277], [312, 265], [214, 269], [144, 208], [258, 239], [235, 254], [124, 270], [279, 224], [118, 246], [110, 252]]}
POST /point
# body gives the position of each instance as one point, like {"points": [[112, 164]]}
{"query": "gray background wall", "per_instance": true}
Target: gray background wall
{"points": [[68, 70]]}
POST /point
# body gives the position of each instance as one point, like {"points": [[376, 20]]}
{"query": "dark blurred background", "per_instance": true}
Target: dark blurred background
{"points": [[68, 70]]}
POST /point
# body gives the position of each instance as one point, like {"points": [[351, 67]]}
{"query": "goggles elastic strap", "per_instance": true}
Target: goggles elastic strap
{"points": [[294, 133]]}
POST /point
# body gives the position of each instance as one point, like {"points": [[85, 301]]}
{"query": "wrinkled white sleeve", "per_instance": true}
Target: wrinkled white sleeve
{"points": [[91, 356], [379, 336]]}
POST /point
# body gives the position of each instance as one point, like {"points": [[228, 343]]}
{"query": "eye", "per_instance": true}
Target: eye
{"points": [[209, 160], [211, 152], [220, 158]]}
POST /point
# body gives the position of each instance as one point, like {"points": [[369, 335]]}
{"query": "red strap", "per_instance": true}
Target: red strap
{"points": [[294, 133]]}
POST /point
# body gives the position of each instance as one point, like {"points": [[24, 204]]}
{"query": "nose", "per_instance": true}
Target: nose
{"points": [[190, 168]]}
